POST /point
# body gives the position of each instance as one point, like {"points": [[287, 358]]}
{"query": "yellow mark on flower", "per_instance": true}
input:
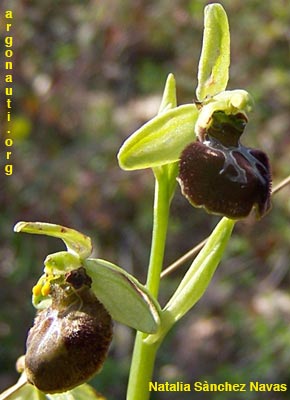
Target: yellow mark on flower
{"points": [[43, 286], [36, 290], [46, 288]]}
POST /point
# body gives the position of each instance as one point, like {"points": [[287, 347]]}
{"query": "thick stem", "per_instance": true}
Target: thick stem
{"points": [[144, 354]]}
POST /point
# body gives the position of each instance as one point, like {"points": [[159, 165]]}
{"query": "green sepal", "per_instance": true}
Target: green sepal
{"points": [[76, 242], [199, 275], [161, 140], [126, 300], [213, 69]]}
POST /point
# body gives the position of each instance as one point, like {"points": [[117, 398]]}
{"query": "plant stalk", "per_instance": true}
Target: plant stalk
{"points": [[144, 353]]}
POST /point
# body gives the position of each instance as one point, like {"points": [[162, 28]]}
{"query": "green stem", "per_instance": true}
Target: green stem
{"points": [[142, 367], [144, 354], [160, 223]]}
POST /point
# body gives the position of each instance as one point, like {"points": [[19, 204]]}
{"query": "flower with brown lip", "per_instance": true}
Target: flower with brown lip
{"points": [[69, 340], [220, 174]]}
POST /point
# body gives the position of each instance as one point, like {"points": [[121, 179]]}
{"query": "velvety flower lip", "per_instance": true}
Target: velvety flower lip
{"points": [[69, 340], [222, 175]]}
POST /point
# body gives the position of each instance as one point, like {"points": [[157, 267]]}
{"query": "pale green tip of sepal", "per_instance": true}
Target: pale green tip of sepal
{"points": [[213, 69], [169, 99], [161, 140], [199, 275], [75, 241]]}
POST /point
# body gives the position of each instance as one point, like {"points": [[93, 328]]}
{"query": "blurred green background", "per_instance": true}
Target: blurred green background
{"points": [[87, 74]]}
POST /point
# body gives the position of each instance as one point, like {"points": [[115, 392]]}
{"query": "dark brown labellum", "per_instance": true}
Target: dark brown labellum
{"points": [[68, 342], [224, 176]]}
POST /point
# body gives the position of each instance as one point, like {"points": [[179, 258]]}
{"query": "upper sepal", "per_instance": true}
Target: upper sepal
{"points": [[213, 69]]}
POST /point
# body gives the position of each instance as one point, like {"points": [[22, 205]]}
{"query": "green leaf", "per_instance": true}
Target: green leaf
{"points": [[75, 241], [161, 140], [213, 69], [199, 275], [126, 300]]}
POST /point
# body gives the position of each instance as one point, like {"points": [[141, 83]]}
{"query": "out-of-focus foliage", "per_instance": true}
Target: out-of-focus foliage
{"points": [[86, 75]]}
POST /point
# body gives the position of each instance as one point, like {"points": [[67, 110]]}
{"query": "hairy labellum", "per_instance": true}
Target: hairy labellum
{"points": [[223, 176], [69, 340]]}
